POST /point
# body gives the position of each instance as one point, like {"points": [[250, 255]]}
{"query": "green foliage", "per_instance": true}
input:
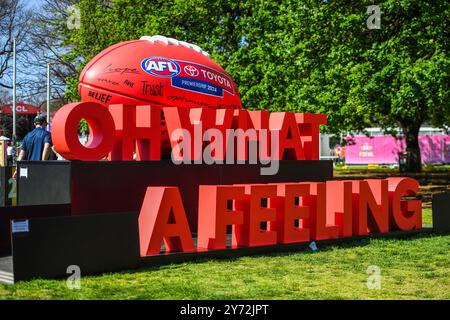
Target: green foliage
{"points": [[314, 56]]}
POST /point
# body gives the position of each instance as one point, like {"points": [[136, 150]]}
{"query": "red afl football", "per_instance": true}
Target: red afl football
{"points": [[158, 71]]}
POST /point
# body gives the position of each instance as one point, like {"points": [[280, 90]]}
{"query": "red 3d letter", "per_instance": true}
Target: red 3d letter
{"points": [[404, 214], [248, 126], [289, 212], [250, 234], [339, 206], [370, 207], [162, 217], [223, 119], [65, 131], [309, 127], [320, 228], [193, 122], [138, 126], [215, 213], [290, 143]]}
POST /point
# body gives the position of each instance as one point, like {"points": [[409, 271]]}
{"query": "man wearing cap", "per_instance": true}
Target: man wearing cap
{"points": [[37, 144]]}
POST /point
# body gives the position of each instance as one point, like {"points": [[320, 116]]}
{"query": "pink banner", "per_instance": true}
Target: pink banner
{"points": [[384, 149]]}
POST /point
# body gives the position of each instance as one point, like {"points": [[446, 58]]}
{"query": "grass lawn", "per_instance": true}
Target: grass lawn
{"points": [[415, 268], [385, 169]]}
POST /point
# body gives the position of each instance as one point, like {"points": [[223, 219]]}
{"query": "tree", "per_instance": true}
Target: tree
{"points": [[310, 56], [46, 45], [13, 25], [321, 56]]}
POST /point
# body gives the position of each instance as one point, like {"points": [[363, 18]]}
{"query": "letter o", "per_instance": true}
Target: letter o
{"points": [[65, 131]]}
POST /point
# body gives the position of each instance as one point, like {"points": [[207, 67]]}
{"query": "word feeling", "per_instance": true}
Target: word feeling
{"points": [[281, 213], [225, 134]]}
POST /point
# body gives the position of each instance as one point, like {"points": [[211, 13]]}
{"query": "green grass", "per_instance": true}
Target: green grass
{"points": [[427, 218], [385, 169], [415, 268]]}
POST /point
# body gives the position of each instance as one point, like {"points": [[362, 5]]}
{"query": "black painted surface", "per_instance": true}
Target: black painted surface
{"points": [[441, 212], [95, 243], [3, 182], [47, 182], [54, 244], [25, 212], [101, 187], [5, 186]]}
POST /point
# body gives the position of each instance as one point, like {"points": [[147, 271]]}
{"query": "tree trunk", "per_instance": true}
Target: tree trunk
{"points": [[411, 133]]}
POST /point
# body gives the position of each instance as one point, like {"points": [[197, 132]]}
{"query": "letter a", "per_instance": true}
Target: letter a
{"points": [[162, 217]]}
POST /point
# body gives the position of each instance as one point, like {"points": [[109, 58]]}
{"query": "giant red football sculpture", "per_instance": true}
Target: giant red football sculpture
{"points": [[158, 71]]}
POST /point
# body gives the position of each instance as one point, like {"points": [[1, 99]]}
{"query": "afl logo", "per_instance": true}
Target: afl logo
{"points": [[160, 67]]}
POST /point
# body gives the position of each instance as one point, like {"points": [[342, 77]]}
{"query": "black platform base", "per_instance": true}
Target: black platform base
{"points": [[7, 186], [47, 247], [441, 212], [109, 243], [102, 187], [25, 212]]}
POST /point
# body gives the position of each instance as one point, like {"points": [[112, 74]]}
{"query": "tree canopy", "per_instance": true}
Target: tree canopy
{"points": [[310, 56]]}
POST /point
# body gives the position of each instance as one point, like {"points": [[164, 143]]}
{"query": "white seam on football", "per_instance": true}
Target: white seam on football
{"points": [[171, 41]]}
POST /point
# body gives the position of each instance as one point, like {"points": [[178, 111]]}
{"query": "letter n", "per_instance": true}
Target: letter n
{"points": [[162, 218], [370, 207]]}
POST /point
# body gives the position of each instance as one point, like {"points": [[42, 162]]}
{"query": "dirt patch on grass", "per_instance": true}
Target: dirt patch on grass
{"points": [[430, 182]]}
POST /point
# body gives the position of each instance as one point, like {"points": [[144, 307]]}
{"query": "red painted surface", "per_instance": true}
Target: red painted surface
{"points": [[120, 130], [138, 128], [288, 211], [214, 215], [323, 210], [291, 147], [404, 214], [157, 73], [162, 218], [370, 207], [65, 131], [250, 234]]}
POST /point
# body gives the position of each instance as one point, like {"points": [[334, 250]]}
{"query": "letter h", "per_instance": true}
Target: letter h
{"points": [[138, 128]]}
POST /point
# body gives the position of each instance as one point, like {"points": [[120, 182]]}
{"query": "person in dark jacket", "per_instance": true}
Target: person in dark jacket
{"points": [[37, 144]]}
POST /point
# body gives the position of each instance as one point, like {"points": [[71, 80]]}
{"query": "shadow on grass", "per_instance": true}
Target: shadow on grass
{"points": [[321, 248]]}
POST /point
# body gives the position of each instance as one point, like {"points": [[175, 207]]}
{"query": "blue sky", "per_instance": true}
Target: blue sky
{"points": [[32, 3]]}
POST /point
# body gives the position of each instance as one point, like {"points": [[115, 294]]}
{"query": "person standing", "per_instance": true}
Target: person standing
{"points": [[37, 144], [9, 153]]}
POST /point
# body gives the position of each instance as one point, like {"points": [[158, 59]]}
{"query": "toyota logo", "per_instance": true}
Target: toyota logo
{"points": [[191, 70]]}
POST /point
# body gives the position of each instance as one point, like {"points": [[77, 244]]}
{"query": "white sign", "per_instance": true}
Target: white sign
{"points": [[20, 226], [23, 173]]}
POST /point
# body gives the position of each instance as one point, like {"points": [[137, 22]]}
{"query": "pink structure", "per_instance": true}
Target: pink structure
{"points": [[384, 149]]}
